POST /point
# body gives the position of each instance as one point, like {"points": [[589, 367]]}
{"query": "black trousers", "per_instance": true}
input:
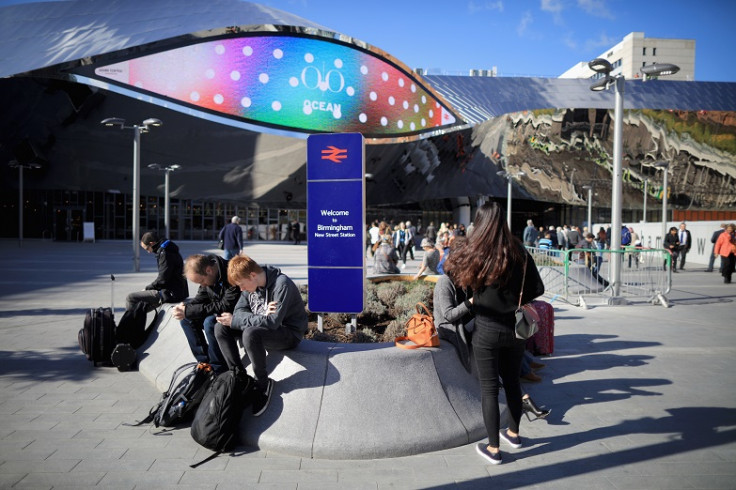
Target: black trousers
{"points": [[498, 353], [727, 267], [256, 340]]}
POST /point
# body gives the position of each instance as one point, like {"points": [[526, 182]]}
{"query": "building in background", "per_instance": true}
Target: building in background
{"points": [[635, 51], [240, 86]]}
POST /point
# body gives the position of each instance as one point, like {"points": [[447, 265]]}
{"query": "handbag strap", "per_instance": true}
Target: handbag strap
{"points": [[523, 277], [398, 343], [421, 306]]}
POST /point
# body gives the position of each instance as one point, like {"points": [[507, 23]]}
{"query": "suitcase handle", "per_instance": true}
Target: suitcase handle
{"points": [[112, 294]]}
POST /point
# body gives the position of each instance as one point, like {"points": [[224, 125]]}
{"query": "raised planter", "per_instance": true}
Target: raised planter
{"points": [[347, 401]]}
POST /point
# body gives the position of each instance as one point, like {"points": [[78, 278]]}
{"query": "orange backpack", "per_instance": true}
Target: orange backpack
{"points": [[420, 330]]}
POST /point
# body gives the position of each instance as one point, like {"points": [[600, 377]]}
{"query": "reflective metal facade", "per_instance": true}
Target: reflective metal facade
{"points": [[47, 117]]}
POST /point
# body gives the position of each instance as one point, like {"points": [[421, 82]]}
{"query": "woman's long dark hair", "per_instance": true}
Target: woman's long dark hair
{"points": [[488, 253]]}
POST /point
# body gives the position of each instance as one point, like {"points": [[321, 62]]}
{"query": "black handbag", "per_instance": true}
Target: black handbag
{"points": [[527, 318]]}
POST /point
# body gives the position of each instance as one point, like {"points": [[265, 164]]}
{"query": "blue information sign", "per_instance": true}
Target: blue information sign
{"points": [[336, 222]]}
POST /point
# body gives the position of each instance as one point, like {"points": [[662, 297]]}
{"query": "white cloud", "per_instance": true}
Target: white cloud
{"points": [[554, 7], [568, 41], [603, 41], [526, 19], [596, 8], [475, 7]]}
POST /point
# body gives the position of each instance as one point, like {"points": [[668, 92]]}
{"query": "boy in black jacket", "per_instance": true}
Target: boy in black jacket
{"points": [[170, 285]]}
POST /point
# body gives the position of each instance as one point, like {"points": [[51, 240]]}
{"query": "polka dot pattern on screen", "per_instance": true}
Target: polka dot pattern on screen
{"points": [[292, 82]]}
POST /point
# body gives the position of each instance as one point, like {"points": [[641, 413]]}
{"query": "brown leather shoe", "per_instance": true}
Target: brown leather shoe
{"points": [[536, 365], [531, 377]]}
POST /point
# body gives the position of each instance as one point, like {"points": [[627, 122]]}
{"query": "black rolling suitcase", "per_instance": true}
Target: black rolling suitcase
{"points": [[97, 336]]}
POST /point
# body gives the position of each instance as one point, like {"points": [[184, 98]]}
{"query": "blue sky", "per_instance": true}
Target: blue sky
{"points": [[525, 37]]}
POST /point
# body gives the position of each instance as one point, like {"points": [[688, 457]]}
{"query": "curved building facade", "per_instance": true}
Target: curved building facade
{"points": [[240, 86]]}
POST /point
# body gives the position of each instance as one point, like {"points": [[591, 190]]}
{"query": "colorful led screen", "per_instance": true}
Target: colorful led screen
{"points": [[296, 83]]}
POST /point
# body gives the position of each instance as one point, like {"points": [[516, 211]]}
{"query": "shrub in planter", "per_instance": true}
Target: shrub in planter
{"points": [[388, 306], [387, 292], [419, 292], [394, 329], [364, 336]]}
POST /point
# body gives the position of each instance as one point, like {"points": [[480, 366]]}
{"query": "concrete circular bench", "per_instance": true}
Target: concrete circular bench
{"points": [[347, 401]]}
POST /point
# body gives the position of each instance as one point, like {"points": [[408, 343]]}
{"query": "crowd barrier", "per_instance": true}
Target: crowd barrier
{"points": [[583, 276]]}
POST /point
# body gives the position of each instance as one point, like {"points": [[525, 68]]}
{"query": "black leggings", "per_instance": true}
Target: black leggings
{"points": [[498, 353]]}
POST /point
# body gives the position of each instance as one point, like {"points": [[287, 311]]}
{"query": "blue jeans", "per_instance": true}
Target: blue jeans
{"points": [[231, 252], [202, 341], [498, 353]]}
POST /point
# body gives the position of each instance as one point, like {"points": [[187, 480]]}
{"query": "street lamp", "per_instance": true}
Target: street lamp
{"points": [[589, 188], [603, 67], [508, 176], [137, 130], [646, 194], [657, 69], [665, 166], [167, 170], [20, 167]]}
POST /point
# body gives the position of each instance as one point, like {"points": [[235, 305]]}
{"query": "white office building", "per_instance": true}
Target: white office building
{"points": [[635, 51]]}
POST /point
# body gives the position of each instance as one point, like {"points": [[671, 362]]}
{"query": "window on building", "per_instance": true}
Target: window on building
{"points": [[644, 51], [643, 63], [654, 51]]}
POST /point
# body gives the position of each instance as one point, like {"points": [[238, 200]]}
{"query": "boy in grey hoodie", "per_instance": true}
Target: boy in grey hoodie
{"points": [[270, 315]]}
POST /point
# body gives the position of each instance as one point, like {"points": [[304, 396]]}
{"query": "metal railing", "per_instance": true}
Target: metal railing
{"points": [[581, 276]]}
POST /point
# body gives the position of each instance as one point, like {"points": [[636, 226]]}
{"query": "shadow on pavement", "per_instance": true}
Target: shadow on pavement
{"points": [[686, 429], [63, 363], [46, 312]]}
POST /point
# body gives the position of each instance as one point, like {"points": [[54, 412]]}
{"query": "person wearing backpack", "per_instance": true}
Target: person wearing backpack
{"points": [[625, 236], [198, 317], [170, 285], [270, 314]]}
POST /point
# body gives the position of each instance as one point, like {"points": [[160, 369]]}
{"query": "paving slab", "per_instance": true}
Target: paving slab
{"points": [[641, 395]]}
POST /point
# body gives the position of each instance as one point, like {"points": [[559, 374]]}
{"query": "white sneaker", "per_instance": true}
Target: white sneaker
{"points": [[403, 266]]}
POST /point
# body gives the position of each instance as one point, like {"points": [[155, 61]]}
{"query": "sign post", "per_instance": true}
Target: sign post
{"points": [[336, 222]]}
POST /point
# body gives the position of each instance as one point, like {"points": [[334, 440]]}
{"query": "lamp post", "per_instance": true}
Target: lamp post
{"points": [[665, 166], [508, 176], [20, 167], [589, 188], [604, 67], [167, 170], [138, 129], [646, 193]]}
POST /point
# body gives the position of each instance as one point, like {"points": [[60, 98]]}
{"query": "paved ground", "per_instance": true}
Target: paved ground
{"points": [[641, 395]]}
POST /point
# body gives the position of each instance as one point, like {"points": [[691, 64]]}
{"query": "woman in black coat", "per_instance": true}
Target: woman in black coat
{"points": [[494, 264]]}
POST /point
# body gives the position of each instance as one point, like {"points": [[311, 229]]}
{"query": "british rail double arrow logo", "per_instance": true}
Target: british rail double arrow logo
{"points": [[335, 154]]}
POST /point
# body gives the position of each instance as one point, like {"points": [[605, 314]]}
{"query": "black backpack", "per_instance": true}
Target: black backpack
{"points": [[216, 422], [132, 326], [188, 386]]}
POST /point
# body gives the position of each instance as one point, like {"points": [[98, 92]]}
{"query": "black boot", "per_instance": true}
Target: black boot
{"points": [[528, 406]]}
